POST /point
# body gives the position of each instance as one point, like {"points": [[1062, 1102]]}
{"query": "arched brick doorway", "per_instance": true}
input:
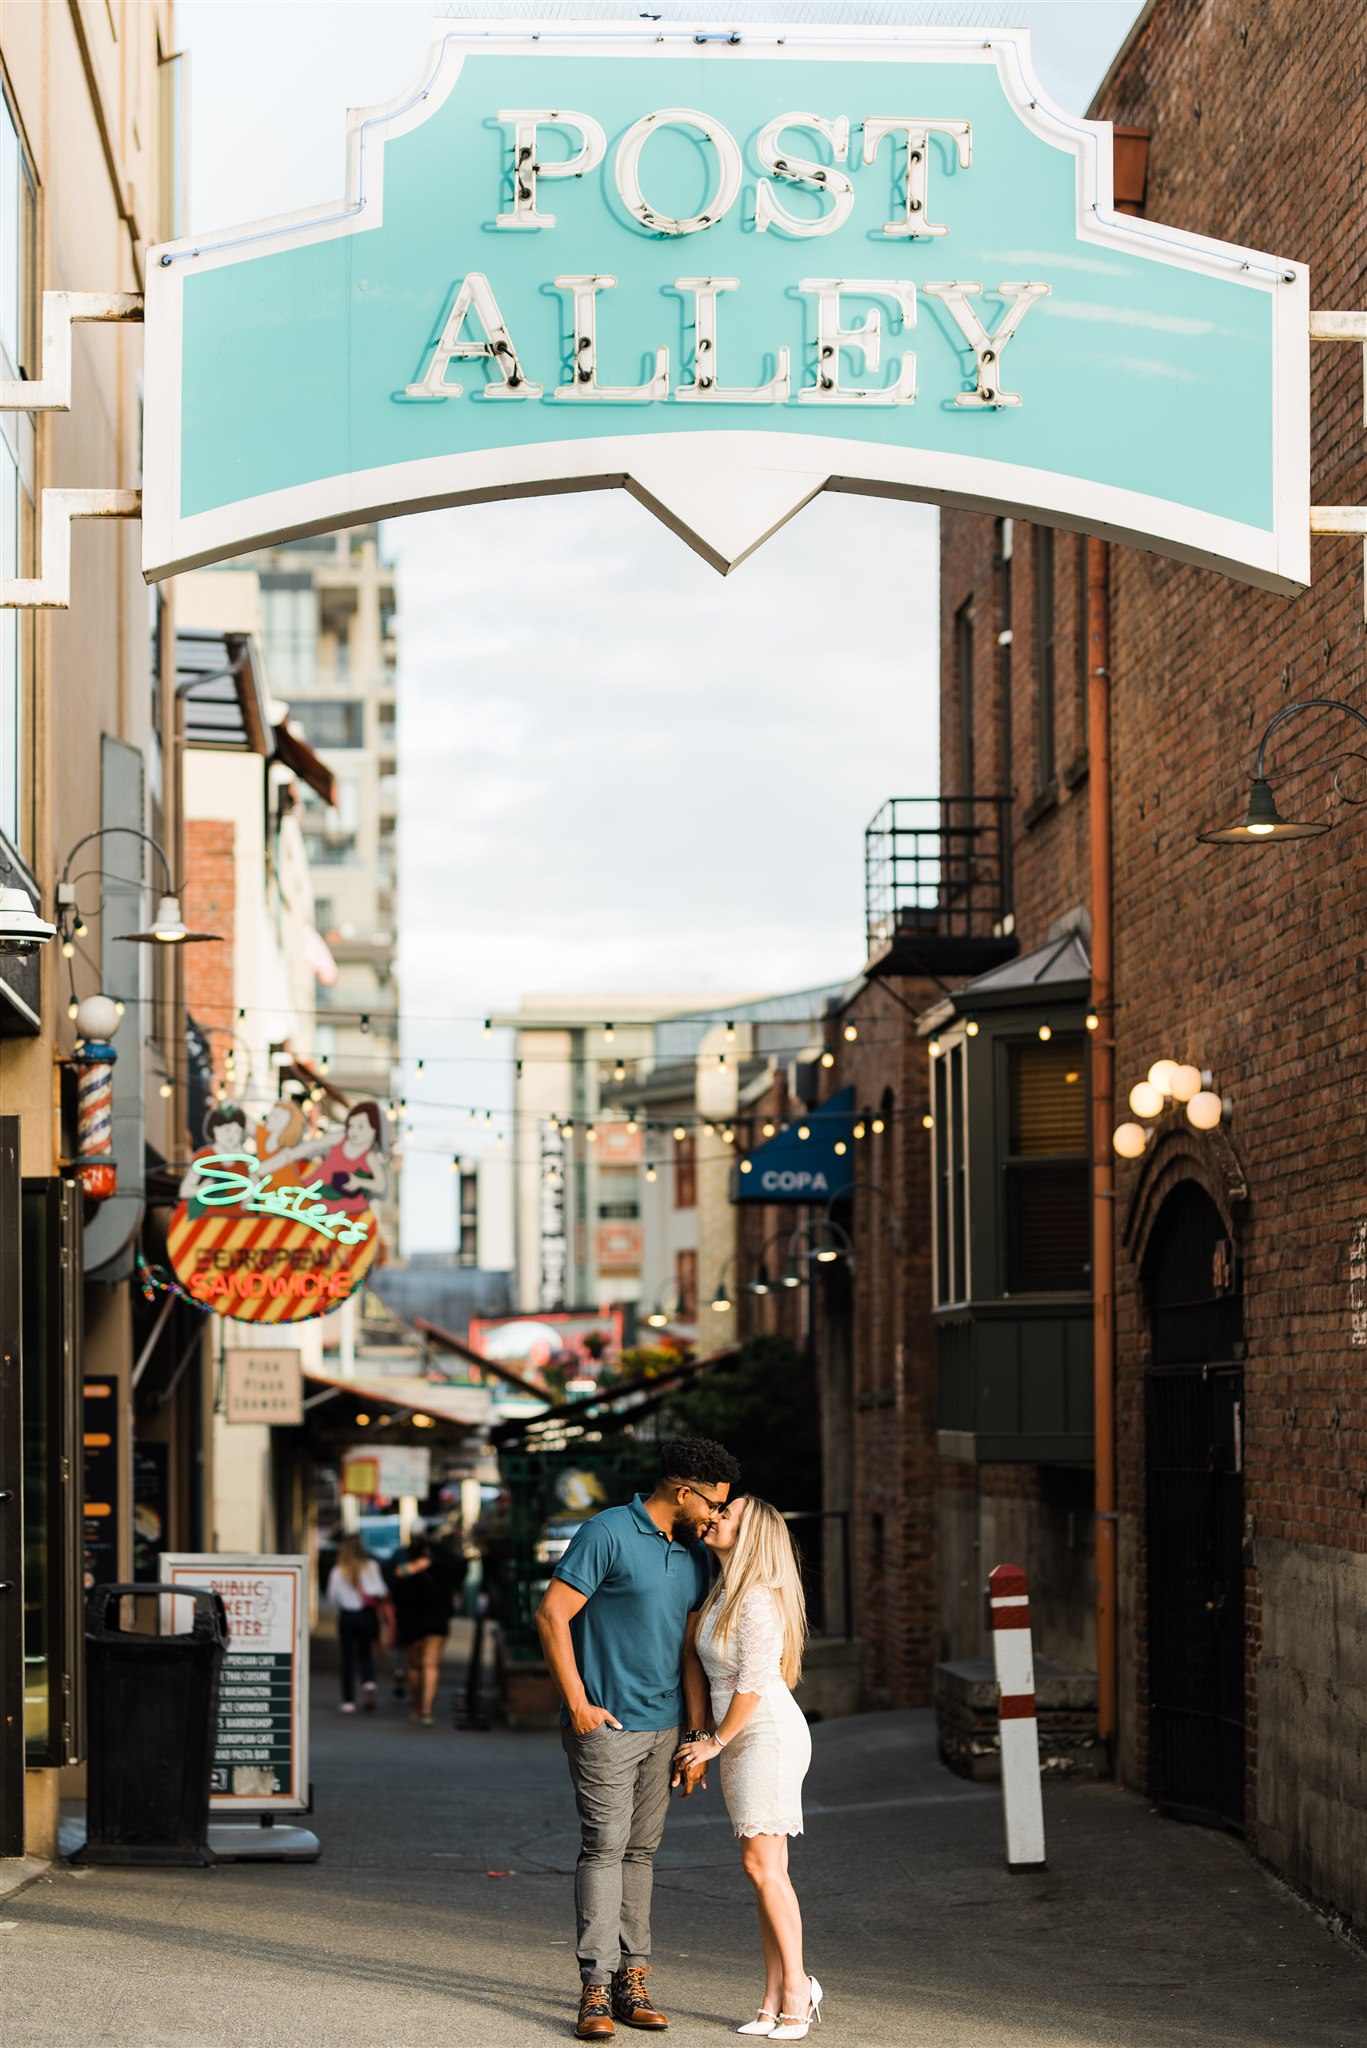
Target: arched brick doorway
{"points": [[1194, 1511]]}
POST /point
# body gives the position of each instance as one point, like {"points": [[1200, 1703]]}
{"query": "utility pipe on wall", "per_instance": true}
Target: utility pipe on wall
{"points": [[1103, 1118]]}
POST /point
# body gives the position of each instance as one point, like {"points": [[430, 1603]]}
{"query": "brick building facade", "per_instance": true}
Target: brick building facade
{"points": [[1241, 1412]]}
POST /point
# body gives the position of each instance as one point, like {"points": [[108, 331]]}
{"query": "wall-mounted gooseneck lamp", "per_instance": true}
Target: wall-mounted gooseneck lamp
{"points": [[1262, 821], [168, 927]]}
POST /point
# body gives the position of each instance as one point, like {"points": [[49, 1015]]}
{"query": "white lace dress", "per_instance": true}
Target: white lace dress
{"points": [[762, 1768]]}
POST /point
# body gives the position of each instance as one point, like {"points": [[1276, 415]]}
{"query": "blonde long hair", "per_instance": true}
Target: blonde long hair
{"points": [[763, 1555], [352, 1559]]}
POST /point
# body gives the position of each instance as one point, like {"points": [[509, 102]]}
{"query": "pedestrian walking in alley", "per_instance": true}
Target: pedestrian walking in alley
{"points": [[420, 1583], [356, 1588], [615, 1628], [750, 1637]]}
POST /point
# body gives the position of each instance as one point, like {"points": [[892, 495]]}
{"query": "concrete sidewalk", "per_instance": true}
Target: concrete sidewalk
{"points": [[440, 1917]]}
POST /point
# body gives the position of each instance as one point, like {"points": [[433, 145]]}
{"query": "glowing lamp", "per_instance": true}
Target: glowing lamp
{"points": [[1205, 1110], [1145, 1099], [1131, 1141]]}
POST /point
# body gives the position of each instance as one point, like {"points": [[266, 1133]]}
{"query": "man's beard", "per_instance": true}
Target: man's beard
{"points": [[684, 1531]]}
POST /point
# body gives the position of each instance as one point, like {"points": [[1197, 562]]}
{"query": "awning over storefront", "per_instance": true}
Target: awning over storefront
{"points": [[402, 1396], [801, 1164]]}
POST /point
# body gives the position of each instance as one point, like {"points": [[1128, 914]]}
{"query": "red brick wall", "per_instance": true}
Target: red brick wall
{"points": [[210, 906], [1246, 961]]}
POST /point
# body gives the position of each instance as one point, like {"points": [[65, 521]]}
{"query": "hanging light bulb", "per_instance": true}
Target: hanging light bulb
{"points": [[164, 1090], [878, 1127], [927, 1122], [609, 1033], [72, 1007], [933, 1048], [323, 1064], [632, 1125], [730, 1034], [679, 1134], [68, 948], [81, 928], [619, 1072], [567, 1129], [1046, 1031], [851, 1032], [488, 1027], [840, 1148], [651, 1174], [728, 1136], [118, 1005], [859, 1129], [455, 1163], [828, 1058], [1092, 1021], [768, 1129], [746, 1167], [592, 1135], [971, 1028], [804, 1130], [365, 1023], [421, 1065]]}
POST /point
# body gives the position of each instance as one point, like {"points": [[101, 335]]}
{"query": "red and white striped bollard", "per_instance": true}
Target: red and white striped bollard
{"points": [[1009, 1606]]}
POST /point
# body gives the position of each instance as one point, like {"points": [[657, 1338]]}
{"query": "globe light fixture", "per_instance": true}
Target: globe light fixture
{"points": [[1145, 1099], [851, 1033], [21, 928], [1131, 1141], [1046, 1031], [1186, 1082], [1092, 1021], [933, 1048], [1205, 1110], [1162, 1074], [971, 1028]]}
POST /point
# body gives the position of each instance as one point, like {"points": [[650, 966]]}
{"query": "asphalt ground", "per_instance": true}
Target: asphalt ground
{"points": [[440, 1916]]}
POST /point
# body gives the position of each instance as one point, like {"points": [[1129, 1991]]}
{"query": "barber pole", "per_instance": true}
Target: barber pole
{"points": [[1009, 1606], [97, 1019]]}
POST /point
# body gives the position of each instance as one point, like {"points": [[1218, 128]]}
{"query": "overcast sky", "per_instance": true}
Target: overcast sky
{"points": [[635, 774]]}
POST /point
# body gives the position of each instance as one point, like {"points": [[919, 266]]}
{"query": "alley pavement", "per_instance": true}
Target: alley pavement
{"points": [[440, 1916]]}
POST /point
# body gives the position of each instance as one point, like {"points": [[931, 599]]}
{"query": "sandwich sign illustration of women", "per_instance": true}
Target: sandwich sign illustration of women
{"points": [[277, 1226]]}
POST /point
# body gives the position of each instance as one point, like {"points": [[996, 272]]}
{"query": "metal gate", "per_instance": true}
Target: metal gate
{"points": [[1195, 1514]]}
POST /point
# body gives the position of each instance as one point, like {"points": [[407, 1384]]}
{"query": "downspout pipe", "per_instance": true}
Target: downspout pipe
{"points": [[1103, 1120]]}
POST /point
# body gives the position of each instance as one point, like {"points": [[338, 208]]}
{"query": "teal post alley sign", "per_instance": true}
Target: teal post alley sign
{"points": [[728, 271]]}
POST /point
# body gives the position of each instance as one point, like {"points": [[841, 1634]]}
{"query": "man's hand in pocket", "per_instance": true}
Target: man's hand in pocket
{"points": [[587, 1720]]}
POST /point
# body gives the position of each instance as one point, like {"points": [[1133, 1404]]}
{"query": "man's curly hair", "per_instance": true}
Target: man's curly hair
{"points": [[684, 1459]]}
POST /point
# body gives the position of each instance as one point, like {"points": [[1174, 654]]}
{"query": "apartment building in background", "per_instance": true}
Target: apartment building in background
{"points": [[328, 633]]}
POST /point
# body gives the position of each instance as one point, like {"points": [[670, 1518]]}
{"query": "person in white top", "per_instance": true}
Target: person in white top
{"points": [[750, 1633], [356, 1588]]}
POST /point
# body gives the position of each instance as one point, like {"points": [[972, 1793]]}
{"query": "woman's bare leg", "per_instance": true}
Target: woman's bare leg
{"points": [[765, 1858], [431, 1669]]}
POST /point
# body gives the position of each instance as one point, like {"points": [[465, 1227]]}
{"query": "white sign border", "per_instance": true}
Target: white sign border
{"points": [[727, 491], [297, 1566]]}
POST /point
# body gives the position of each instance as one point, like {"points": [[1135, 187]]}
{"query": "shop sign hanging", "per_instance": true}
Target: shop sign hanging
{"points": [[275, 1223], [729, 270]]}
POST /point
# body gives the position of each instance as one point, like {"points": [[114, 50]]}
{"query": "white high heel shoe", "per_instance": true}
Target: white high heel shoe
{"points": [[793, 2028], [764, 2022]]}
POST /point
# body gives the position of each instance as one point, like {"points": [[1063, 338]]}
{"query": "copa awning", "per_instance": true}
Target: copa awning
{"points": [[792, 1168]]}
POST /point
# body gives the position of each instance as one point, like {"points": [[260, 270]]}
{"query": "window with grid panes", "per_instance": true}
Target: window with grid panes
{"points": [[1047, 1180]]}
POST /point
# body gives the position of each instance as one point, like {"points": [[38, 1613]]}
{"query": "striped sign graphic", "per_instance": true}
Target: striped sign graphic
{"points": [[265, 1269]]}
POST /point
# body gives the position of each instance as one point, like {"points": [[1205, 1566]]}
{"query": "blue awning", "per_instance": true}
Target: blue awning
{"points": [[791, 1168]]}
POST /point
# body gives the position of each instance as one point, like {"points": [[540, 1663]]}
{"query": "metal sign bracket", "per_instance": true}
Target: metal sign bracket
{"points": [[50, 590]]}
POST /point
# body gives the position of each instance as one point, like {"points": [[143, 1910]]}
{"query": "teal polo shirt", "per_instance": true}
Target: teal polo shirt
{"points": [[640, 1589]]}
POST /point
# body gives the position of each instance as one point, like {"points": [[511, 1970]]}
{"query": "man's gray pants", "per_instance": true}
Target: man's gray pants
{"points": [[621, 1787]]}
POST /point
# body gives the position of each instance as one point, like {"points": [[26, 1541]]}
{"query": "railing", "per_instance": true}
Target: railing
{"points": [[937, 867], [822, 1539]]}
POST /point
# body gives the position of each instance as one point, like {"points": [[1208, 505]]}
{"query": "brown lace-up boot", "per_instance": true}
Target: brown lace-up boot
{"points": [[629, 2002], [595, 2013]]}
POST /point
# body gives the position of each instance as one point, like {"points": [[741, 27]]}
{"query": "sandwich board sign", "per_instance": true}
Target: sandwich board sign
{"points": [[727, 270], [261, 1757]]}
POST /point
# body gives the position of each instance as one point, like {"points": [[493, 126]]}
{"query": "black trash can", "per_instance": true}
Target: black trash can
{"points": [[153, 1723]]}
